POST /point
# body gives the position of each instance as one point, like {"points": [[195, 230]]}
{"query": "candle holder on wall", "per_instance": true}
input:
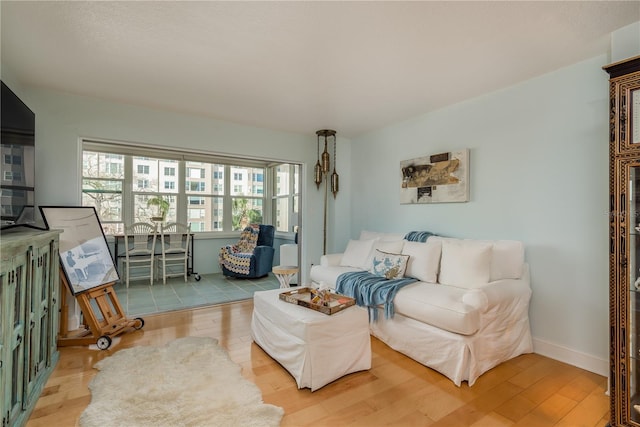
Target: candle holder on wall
{"points": [[321, 174]]}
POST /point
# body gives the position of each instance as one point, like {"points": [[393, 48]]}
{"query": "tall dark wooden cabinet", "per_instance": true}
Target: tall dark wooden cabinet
{"points": [[624, 241]]}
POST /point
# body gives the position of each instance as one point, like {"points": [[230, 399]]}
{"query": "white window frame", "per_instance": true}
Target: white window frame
{"points": [[130, 151]]}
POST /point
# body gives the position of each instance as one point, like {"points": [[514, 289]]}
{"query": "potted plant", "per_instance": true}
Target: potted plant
{"points": [[162, 207]]}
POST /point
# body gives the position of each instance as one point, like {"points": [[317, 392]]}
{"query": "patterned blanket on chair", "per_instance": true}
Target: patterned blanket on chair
{"points": [[237, 258]]}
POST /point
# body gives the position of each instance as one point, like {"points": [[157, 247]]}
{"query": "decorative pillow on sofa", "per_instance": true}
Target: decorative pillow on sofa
{"points": [[424, 260], [389, 266], [390, 247], [357, 254], [465, 263]]}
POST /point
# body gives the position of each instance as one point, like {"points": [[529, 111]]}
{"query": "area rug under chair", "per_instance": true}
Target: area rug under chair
{"points": [[189, 382]]}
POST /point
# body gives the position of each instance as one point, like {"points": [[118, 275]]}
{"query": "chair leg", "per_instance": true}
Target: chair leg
{"points": [[164, 272]]}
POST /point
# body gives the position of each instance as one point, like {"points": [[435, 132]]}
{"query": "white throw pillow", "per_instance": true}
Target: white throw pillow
{"points": [[389, 266], [394, 247], [465, 263], [508, 260], [357, 254], [424, 260]]}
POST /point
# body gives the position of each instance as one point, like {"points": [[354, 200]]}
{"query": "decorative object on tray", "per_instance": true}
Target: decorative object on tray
{"points": [[319, 300]]}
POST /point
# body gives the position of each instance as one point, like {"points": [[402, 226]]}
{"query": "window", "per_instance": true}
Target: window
{"points": [[196, 214], [10, 159], [129, 184], [285, 196], [195, 186], [195, 173], [237, 176], [102, 185]]}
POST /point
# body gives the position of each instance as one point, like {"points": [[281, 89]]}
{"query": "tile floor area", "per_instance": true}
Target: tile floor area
{"points": [[141, 298]]}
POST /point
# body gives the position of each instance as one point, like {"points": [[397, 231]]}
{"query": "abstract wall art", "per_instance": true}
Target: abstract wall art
{"points": [[439, 178]]}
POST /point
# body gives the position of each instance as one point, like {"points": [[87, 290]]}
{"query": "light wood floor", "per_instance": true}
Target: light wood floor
{"points": [[530, 390]]}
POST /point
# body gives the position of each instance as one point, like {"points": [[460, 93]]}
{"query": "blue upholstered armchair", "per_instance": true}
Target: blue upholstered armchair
{"points": [[259, 261]]}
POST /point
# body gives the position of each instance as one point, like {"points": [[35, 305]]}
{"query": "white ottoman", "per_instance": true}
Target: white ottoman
{"points": [[314, 347]]}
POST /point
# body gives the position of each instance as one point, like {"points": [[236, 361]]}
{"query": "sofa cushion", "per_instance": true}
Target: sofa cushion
{"points": [[465, 263], [507, 258], [329, 274], [441, 306], [389, 266], [424, 260], [357, 254], [507, 261]]}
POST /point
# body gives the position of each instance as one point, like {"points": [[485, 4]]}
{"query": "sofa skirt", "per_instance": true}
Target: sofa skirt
{"points": [[458, 357]]}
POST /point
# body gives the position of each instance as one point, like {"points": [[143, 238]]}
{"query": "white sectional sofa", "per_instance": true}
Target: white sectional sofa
{"points": [[467, 312]]}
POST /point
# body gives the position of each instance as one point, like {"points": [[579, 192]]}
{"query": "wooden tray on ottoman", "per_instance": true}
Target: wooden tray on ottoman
{"points": [[302, 297]]}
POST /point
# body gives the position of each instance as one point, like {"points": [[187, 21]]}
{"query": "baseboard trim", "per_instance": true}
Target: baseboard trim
{"points": [[584, 361]]}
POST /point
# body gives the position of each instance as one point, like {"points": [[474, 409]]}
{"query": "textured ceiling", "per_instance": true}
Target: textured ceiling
{"points": [[300, 66]]}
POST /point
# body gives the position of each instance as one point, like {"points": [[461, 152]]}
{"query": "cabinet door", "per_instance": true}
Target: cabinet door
{"points": [[37, 350], [53, 284], [5, 268], [13, 288], [625, 114]]}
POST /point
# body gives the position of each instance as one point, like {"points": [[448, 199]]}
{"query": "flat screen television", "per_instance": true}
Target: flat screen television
{"points": [[17, 161]]}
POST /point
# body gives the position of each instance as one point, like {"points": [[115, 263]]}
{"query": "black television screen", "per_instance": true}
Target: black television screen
{"points": [[17, 161]]}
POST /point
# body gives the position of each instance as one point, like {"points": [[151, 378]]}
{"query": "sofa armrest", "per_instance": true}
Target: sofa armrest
{"points": [[330, 260], [503, 293]]}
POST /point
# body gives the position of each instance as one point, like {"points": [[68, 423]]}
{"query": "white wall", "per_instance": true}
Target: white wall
{"points": [[625, 42], [539, 174], [61, 120]]}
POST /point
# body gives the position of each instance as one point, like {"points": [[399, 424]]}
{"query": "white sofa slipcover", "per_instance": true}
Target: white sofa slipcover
{"points": [[468, 311]]}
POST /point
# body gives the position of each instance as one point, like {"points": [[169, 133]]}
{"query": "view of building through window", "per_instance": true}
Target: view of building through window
{"points": [[210, 196]]}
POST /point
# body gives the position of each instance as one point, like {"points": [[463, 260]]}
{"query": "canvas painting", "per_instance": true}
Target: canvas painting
{"points": [[439, 178], [84, 254]]}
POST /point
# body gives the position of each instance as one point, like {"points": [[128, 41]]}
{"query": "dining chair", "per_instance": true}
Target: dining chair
{"points": [[174, 241], [139, 243]]}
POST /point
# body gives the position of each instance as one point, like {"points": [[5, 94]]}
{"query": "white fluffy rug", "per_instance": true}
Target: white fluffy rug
{"points": [[189, 382]]}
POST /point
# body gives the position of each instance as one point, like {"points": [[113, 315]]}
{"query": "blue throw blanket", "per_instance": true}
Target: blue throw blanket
{"points": [[371, 291]]}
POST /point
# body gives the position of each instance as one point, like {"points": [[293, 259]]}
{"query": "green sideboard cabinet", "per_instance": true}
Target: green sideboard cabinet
{"points": [[29, 319]]}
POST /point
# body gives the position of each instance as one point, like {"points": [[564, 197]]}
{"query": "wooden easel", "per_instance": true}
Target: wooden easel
{"points": [[96, 330]]}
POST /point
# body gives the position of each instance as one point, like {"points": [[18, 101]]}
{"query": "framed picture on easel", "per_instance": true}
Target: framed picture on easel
{"points": [[84, 254]]}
